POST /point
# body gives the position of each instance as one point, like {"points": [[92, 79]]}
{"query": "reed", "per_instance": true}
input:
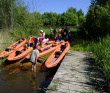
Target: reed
{"points": [[101, 52], [5, 39]]}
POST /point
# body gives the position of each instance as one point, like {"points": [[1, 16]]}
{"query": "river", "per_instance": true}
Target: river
{"points": [[17, 77]]}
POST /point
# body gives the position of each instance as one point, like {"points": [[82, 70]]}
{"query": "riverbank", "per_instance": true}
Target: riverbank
{"points": [[77, 74]]}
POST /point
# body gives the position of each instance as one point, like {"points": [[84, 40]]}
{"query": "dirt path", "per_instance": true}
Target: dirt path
{"points": [[77, 74]]}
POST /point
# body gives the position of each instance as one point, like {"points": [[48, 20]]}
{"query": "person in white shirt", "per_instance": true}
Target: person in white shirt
{"points": [[33, 58]]}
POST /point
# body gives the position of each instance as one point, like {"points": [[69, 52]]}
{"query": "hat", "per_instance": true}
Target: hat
{"points": [[41, 30]]}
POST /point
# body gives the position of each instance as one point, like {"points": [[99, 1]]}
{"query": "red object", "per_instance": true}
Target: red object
{"points": [[31, 39]]}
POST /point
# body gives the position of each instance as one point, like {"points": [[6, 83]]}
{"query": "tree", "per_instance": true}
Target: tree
{"points": [[5, 7], [96, 22], [72, 19], [72, 10], [99, 2], [80, 13], [63, 19], [45, 19], [69, 19], [58, 23], [81, 20]]}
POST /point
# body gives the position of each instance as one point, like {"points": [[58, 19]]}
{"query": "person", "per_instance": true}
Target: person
{"points": [[32, 41], [35, 41], [59, 30], [54, 31], [66, 33], [33, 58], [50, 30], [62, 33], [41, 38]]}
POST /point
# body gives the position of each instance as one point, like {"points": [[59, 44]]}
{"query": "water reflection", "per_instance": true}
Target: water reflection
{"points": [[18, 77]]}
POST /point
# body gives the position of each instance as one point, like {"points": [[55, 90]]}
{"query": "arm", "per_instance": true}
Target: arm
{"points": [[40, 36]]}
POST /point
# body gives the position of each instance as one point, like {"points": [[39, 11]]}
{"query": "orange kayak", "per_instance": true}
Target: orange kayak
{"points": [[57, 55], [12, 47], [46, 49], [21, 52]]}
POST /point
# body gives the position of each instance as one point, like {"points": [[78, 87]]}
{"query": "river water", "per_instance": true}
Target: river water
{"points": [[17, 77]]}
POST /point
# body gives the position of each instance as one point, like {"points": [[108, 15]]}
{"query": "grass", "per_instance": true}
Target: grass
{"points": [[101, 52], [46, 56]]}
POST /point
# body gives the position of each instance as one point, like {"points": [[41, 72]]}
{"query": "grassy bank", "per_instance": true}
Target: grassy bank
{"points": [[101, 52]]}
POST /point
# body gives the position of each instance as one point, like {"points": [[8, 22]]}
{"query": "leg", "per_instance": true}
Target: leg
{"points": [[35, 68], [32, 67]]}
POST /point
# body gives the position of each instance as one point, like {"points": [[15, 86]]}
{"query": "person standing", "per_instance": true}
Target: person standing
{"points": [[54, 31], [35, 41], [50, 30], [66, 33], [59, 30], [62, 33], [33, 58], [41, 38]]}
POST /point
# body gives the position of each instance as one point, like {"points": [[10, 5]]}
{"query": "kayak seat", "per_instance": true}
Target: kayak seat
{"points": [[7, 49], [63, 47], [31, 44], [54, 44], [57, 54], [46, 43], [19, 42], [40, 50], [45, 48], [49, 47], [18, 52], [61, 41]]}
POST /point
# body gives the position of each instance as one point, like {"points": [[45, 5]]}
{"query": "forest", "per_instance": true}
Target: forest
{"points": [[93, 28], [15, 17]]}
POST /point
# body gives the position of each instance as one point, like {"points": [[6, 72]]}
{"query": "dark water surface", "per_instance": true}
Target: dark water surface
{"points": [[18, 78]]}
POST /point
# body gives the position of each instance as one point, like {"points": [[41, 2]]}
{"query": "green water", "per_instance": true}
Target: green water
{"points": [[17, 78]]}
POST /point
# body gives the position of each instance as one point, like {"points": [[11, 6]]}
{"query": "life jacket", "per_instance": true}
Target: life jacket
{"points": [[62, 31], [31, 39]]}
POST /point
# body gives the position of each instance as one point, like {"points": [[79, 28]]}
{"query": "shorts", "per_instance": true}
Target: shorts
{"points": [[33, 63]]}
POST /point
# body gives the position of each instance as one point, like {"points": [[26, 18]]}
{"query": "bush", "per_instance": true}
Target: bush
{"points": [[96, 22]]}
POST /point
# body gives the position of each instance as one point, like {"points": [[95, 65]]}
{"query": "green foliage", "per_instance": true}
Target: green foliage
{"points": [[101, 51], [17, 33], [99, 2], [58, 23], [49, 18], [72, 10], [81, 20], [5, 12], [80, 13], [69, 19], [72, 19], [96, 22]]}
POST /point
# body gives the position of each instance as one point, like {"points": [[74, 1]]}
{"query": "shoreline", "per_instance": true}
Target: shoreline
{"points": [[77, 73]]}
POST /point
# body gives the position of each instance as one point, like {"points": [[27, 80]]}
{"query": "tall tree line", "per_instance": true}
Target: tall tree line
{"points": [[70, 18], [14, 15], [97, 23]]}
